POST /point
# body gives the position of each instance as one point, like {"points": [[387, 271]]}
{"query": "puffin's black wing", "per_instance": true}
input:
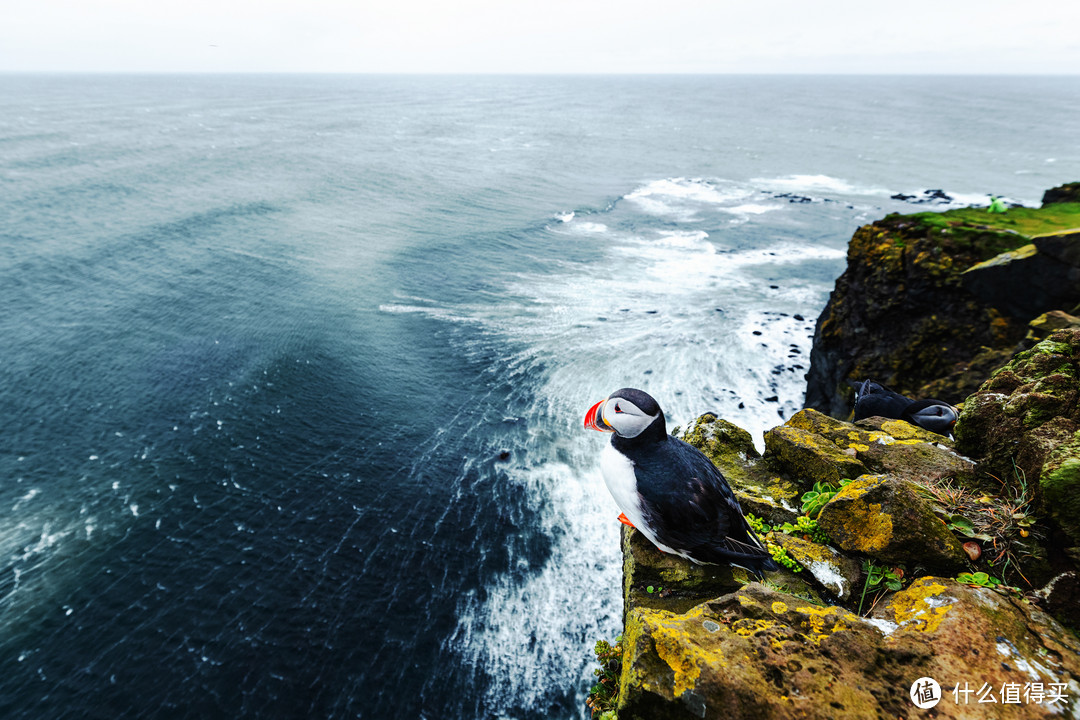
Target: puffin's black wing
{"points": [[690, 507], [873, 398]]}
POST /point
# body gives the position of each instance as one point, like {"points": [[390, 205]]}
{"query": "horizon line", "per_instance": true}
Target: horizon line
{"points": [[473, 73]]}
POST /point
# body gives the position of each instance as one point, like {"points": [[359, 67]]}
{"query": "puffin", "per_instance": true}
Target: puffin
{"points": [[669, 490], [873, 398]]}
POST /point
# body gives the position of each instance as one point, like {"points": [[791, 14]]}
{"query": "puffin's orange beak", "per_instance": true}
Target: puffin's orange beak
{"points": [[594, 419]]}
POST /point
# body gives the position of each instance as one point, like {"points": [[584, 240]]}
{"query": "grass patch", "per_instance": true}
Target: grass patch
{"points": [[1028, 222]]}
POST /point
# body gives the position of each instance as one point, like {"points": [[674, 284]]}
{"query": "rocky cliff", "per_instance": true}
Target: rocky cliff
{"points": [[932, 303], [906, 556]]}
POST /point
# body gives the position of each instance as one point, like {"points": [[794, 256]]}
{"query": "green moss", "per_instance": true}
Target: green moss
{"points": [[1020, 223], [1061, 489]]}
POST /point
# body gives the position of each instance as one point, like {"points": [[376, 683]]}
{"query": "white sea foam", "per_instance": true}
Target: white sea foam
{"points": [[819, 184], [668, 309], [683, 198], [752, 209]]}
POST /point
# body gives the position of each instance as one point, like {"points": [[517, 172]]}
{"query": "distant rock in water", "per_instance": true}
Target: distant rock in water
{"points": [[927, 196]]}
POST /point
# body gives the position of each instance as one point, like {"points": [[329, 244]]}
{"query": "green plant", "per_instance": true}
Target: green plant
{"points": [[878, 576], [781, 556], [978, 579], [605, 693], [960, 524], [823, 492], [759, 526], [807, 527], [1001, 523]]}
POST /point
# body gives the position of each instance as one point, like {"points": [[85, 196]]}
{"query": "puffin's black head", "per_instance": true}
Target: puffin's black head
{"points": [[933, 415], [628, 413]]}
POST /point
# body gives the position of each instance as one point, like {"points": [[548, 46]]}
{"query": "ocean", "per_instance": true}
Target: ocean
{"points": [[293, 368]]}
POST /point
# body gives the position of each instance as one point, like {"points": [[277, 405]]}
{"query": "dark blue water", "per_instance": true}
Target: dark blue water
{"points": [[293, 368]]}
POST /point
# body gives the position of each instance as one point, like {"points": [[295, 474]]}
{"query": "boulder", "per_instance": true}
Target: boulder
{"points": [[1023, 426], [811, 440], [1031, 280], [884, 517], [838, 574], [810, 458], [658, 580], [1046, 324], [763, 654]]}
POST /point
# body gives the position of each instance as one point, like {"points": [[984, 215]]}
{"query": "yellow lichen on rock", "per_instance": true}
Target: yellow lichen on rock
{"points": [[864, 527], [921, 606], [748, 626], [901, 429], [685, 657], [858, 487], [825, 621]]}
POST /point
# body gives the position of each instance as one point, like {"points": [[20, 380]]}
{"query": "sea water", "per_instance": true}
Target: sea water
{"points": [[293, 368]]}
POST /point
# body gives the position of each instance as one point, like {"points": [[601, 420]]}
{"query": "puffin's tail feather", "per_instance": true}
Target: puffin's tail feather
{"points": [[752, 558]]}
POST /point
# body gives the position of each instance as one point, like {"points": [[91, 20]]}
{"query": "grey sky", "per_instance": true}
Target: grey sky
{"points": [[549, 36]]}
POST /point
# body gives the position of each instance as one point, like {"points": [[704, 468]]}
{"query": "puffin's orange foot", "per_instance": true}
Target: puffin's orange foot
{"points": [[624, 520]]}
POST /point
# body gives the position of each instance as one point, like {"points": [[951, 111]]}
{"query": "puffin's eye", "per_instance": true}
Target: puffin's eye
{"points": [[617, 408]]}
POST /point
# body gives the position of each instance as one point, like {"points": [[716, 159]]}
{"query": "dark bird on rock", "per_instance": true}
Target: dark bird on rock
{"points": [[668, 489], [874, 399]]}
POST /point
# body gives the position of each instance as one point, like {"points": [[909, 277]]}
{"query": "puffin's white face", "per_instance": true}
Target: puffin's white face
{"points": [[624, 417]]}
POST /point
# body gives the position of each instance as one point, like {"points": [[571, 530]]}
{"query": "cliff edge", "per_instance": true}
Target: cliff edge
{"points": [[917, 572]]}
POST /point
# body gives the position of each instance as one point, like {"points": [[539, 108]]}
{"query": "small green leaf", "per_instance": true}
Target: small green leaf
{"points": [[649, 589]]}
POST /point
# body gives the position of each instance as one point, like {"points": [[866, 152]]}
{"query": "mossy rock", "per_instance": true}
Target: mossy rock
{"points": [[1060, 485], [885, 518], [881, 445], [1025, 415], [837, 574], [762, 654], [966, 376], [808, 457], [756, 653], [676, 583], [728, 446]]}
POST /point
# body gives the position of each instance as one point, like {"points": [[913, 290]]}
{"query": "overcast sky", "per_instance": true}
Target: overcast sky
{"points": [[548, 36]]}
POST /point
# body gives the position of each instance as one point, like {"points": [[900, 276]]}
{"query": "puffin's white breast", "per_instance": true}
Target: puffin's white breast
{"points": [[618, 472]]}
